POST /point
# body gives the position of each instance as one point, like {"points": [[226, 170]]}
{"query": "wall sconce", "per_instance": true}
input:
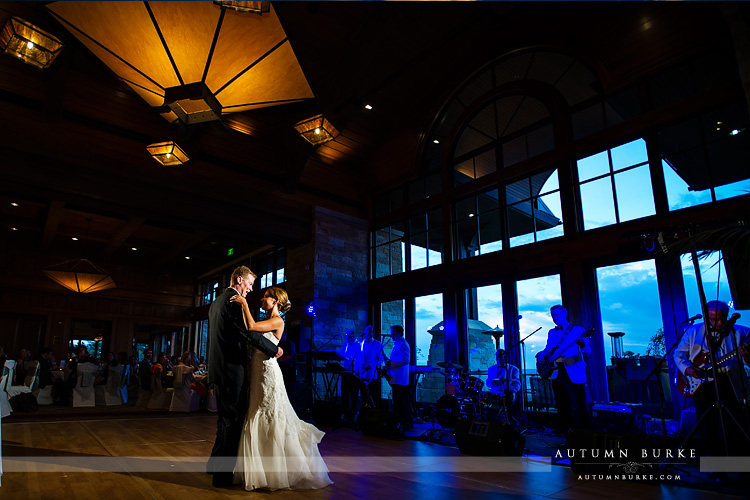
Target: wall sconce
{"points": [[167, 153], [316, 130], [29, 43], [254, 7]]}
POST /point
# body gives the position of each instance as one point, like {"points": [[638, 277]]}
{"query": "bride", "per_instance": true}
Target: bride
{"points": [[277, 449]]}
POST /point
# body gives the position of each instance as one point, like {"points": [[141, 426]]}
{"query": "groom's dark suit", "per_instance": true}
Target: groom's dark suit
{"points": [[227, 371]]}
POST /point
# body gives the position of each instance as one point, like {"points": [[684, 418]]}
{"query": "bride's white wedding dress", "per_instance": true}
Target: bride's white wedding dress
{"points": [[277, 449]]}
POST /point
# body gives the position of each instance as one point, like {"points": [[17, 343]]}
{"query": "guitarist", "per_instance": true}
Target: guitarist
{"points": [[688, 357], [569, 376]]}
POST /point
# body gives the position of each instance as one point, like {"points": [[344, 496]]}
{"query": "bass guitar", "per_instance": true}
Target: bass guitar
{"points": [[687, 386], [545, 365]]}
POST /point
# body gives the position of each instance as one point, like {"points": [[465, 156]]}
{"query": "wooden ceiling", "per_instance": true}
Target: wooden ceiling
{"points": [[74, 136]]}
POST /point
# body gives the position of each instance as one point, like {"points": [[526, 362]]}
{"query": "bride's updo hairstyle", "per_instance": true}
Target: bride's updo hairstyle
{"points": [[281, 296]]}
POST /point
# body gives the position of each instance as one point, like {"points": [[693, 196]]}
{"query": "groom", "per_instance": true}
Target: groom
{"points": [[227, 372]]}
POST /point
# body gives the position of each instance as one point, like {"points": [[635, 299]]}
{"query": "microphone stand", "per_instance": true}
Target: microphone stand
{"points": [[523, 365]]}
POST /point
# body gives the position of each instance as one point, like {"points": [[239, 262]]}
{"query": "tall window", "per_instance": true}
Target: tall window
{"points": [[715, 285], [478, 225], [535, 297], [631, 316], [484, 311], [426, 239], [391, 313], [271, 268], [616, 185], [533, 208], [388, 250], [209, 289], [705, 158], [429, 345]]}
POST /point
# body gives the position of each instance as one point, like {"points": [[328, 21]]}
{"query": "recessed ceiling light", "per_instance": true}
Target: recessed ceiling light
{"points": [[187, 257], [436, 141], [367, 106], [14, 204], [14, 229], [133, 248], [74, 238]]}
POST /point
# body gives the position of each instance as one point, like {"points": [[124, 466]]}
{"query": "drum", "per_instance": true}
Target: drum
{"points": [[447, 411], [471, 386]]}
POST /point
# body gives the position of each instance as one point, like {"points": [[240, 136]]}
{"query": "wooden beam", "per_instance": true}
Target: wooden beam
{"points": [[123, 233], [182, 246], [53, 220]]}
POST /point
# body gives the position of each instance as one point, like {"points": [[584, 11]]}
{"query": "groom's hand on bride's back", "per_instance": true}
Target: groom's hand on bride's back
{"points": [[279, 353]]}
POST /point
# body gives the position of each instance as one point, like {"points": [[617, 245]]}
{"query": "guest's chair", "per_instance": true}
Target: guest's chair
{"points": [[185, 398], [84, 393]]}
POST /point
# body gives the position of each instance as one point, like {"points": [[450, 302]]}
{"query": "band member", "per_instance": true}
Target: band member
{"points": [[569, 376], [398, 369], [503, 379], [729, 379], [366, 366], [349, 382]]}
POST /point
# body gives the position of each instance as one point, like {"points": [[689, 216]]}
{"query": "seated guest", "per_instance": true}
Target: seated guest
{"points": [[161, 368], [46, 363], [21, 358], [144, 370], [187, 360], [62, 396]]}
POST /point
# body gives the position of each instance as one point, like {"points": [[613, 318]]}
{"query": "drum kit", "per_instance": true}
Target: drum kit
{"points": [[465, 398]]}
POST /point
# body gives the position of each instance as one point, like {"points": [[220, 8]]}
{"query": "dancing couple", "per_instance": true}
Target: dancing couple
{"points": [[260, 441]]}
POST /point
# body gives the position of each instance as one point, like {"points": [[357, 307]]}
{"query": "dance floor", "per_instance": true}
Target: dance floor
{"points": [[162, 456]]}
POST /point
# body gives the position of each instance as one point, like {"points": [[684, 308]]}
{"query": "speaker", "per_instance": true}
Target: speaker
{"points": [[380, 422], [478, 437], [618, 417], [328, 413]]}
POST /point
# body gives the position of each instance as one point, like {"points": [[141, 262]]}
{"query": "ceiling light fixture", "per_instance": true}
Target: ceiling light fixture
{"points": [[80, 276], [28, 43], [254, 7], [167, 153], [191, 61], [316, 130]]}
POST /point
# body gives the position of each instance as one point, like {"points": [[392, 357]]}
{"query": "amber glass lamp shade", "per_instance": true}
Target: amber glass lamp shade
{"points": [[81, 276], [316, 130], [167, 153], [254, 7], [28, 43]]}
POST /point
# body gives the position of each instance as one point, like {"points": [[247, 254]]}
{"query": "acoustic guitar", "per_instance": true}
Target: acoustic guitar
{"points": [[687, 386], [546, 365]]}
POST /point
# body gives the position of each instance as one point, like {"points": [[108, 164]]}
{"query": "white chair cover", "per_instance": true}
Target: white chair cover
{"points": [[8, 371], [109, 394], [32, 371], [161, 398], [44, 395], [185, 398], [84, 392]]}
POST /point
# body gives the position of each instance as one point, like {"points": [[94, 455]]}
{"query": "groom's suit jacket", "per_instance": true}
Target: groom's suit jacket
{"points": [[228, 338]]}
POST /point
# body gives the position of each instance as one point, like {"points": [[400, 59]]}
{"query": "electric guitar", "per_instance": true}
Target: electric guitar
{"points": [[687, 386], [545, 365]]}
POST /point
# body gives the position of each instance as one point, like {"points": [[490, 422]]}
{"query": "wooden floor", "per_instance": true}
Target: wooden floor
{"points": [[163, 457]]}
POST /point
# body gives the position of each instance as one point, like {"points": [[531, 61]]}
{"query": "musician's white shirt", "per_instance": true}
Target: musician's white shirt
{"points": [[572, 357], [497, 378], [400, 362], [694, 341], [372, 357], [349, 351]]}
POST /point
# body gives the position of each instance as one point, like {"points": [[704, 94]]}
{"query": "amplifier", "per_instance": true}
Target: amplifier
{"points": [[618, 417]]}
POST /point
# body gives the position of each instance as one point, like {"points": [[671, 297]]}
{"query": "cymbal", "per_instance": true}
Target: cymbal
{"points": [[450, 365], [476, 373]]}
